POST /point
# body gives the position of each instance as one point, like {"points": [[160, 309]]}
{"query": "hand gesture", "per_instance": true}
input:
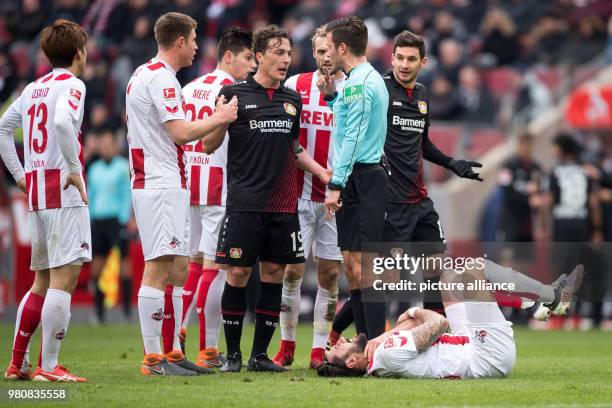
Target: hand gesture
{"points": [[326, 83], [463, 168], [332, 203], [75, 180], [22, 185], [227, 111]]}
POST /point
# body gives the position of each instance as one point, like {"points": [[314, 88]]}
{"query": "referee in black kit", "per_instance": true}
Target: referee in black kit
{"points": [[261, 213]]}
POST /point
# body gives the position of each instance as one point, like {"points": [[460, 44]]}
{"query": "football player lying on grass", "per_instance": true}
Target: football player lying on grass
{"points": [[480, 343]]}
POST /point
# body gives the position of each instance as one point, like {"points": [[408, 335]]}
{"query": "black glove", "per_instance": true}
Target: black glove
{"points": [[463, 168]]}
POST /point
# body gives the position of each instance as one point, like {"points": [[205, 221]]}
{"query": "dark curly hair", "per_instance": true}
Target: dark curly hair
{"points": [[338, 367]]}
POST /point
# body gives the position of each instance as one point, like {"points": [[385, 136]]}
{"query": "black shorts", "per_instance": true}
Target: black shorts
{"points": [[107, 233], [362, 215], [274, 237], [418, 222]]}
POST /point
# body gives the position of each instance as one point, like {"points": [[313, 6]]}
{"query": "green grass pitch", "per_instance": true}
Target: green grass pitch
{"points": [[555, 369]]}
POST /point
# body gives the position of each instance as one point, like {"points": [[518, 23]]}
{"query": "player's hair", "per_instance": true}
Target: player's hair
{"points": [[338, 368], [319, 32], [171, 26], [234, 40], [351, 31], [262, 37], [409, 39], [61, 41], [568, 145]]}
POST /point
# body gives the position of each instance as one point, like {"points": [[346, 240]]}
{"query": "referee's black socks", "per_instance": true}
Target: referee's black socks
{"points": [[358, 316], [267, 311], [233, 309], [374, 310]]}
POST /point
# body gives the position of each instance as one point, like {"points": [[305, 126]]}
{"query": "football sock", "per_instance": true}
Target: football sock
{"points": [[323, 315], [190, 289], [507, 300], [432, 299], [358, 316], [151, 314], [212, 310], [374, 312], [267, 312], [206, 281], [55, 317], [522, 283], [177, 304], [167, 331], [290, 308], [233, 308], [99, 301], [344, 317], [126, 290], [28, 319]]}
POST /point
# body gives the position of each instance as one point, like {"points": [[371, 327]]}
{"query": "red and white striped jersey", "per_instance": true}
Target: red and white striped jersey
{"points": [[447, 357], [316, 122], [46, 170], [153, 97], [207, 173]]}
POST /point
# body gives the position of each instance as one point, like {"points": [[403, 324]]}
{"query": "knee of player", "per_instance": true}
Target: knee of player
{"points": [[328, 275], [294, 272], [238, 274]]}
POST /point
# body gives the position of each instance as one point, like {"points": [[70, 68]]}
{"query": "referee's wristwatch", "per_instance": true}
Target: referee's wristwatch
{"points": [[333, 186]]}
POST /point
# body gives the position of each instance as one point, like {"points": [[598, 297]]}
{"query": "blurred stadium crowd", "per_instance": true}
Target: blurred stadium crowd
{"points": [[488, 59]]}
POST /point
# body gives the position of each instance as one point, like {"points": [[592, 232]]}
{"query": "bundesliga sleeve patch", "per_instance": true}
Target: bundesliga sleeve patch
{"points": [[353, 93], [75, 93], [169, 93]]}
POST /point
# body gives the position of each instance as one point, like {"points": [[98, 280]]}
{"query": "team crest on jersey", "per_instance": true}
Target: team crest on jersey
{"points": [[353, 93], [422, 107], [236, 253], [169, 93], [290, 109], [75, 93], [480, 335], [396, 252]]}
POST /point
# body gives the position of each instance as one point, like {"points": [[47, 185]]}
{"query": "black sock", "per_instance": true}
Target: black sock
{"points": [[267, 311], [126, 290], [344, 317], [374, 311], [233, 308], [432, 298], [99, 302], [357, 306]]}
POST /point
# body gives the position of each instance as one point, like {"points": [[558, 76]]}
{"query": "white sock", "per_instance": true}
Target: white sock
{"points": [[323, 316], [522, 283], [151, 314], [55, 317], [192, 305], [177, 303], [212, 309], [291, 303]]}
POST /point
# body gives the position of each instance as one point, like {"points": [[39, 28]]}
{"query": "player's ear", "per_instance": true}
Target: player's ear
{"points": [[424, 62], [351, 361]]}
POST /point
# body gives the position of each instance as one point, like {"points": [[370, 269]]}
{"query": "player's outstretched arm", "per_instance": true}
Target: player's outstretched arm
{"points": [[462, 168], [8, 123], [304, 161], [183, 132]]}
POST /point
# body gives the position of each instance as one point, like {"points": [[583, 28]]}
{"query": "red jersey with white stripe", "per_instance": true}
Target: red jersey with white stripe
{"points": [[448, 357], [45, 166], [206, 172], [316, 122], [153, 97]]}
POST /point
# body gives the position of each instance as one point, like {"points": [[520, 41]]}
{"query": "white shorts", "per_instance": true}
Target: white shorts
{"points": [[60, 236], [203, 229], [491, 337], [161, 215], [319, 234]]}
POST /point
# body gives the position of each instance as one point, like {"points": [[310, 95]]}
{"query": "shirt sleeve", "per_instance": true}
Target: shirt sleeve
{"points": [[8, 123], [358, 100], [68, 112], [166, 97], [291, 83]]}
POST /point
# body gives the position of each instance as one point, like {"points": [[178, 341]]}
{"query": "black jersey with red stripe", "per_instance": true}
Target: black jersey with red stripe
{"points": [[407, 126], [261, 170]]}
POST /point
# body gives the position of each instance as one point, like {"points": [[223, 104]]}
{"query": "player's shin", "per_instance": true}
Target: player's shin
{"points": [[233, 307], [189, 292], [151, 314], [55, 317], [267, 312], [28, 319], [522, 283]]}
